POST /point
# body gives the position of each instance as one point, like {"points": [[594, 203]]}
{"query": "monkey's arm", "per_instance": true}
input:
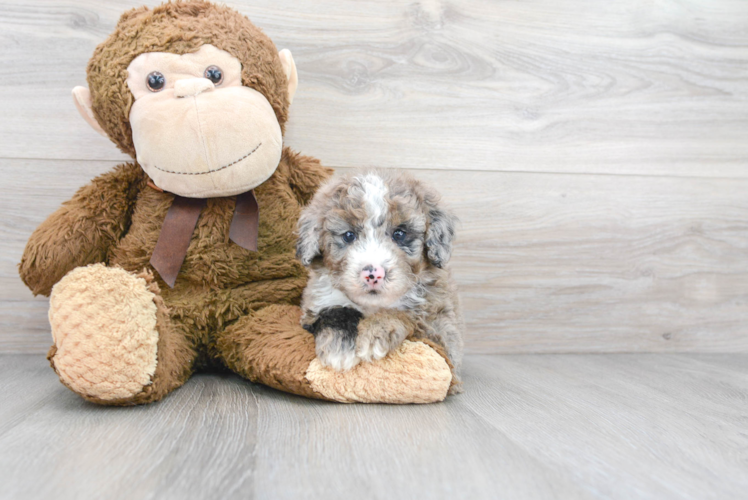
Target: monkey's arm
{"points": [[387, 331], [82, 230], [305, 174], [270, 347]]}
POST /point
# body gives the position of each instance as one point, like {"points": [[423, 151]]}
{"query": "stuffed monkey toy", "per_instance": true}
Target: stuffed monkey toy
{"points": [[184, 259]]}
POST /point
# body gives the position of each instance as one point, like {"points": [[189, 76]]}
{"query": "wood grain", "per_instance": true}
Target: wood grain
{"points": [[378, 451], [632, 88], [545, 262], [648, 426], [625, 426], [54, 444]]}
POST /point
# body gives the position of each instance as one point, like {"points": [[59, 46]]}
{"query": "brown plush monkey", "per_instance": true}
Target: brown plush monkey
{"points": [[185, 259]]}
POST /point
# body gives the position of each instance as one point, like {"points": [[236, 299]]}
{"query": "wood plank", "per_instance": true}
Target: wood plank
{"points": [[27, 387], [647, 426], [545, 262], [554, 263], [24, 327], [54, 444], [626, 426], [311, 449], [637, 88]]}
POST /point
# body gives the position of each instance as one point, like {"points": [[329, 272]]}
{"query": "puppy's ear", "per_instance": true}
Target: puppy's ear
{"points": [[440, 232], [310, 230]]}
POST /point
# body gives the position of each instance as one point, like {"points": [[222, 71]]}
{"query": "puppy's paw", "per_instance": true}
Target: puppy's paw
{"points": [[336, 349], [378, 335], [335, 333]]}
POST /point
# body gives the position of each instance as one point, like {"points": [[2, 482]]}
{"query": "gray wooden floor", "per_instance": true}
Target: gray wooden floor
{"points": [[528, 426]]}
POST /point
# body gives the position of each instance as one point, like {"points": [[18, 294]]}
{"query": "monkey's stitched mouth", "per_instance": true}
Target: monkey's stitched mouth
{"points": [[213, 170]]}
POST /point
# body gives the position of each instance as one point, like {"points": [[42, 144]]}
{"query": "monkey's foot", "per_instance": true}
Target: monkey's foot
{"points": [[413, 373], [104, 328]]}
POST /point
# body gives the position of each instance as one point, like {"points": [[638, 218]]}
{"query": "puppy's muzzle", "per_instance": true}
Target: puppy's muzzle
{"points": [[373, 277]]}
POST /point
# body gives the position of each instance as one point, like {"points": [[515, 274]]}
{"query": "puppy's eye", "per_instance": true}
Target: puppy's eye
{"points": [[214, 74], [398, 235], [155, 81], [349, 237]]}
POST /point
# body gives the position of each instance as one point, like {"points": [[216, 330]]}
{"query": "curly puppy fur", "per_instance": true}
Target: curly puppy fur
{"points": [[389, 222]]}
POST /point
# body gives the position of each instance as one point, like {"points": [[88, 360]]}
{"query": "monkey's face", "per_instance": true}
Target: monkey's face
{"points": [[198, 132]]}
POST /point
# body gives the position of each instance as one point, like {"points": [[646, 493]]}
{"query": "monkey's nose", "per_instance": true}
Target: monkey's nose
{"points": [[373, 276], [188, 87]]}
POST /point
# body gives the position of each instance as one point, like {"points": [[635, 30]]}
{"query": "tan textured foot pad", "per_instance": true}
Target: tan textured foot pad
{"points": [[104, 327], [414, 373]]}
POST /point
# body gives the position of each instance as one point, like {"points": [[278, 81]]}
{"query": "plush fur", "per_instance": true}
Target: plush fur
{"points": [[415, 365], [117, 220], [98, 314], [179, 28], [122, 336], [378, 243]]}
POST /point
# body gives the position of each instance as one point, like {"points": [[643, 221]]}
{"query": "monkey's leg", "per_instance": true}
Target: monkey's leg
{"points": [[269, 346], [115, 343]]}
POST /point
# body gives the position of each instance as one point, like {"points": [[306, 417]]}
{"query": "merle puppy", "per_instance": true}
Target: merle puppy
{"points": [[377, 245]]}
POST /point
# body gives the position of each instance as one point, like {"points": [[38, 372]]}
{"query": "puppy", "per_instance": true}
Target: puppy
{"points": [[377, 245]]}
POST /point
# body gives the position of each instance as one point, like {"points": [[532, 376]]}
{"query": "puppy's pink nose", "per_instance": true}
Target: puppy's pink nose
{"points": [[373, 276]]}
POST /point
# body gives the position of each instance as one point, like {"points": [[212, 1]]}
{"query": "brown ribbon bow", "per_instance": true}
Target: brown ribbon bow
{"points": [[180, 222]]}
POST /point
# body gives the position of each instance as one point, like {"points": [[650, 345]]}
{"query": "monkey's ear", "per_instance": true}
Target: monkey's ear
{"points": [[82, 100], [289, 66], [310, 229]]}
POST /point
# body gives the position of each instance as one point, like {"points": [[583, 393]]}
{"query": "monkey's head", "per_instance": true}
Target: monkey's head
{"points": [[196, 93]]}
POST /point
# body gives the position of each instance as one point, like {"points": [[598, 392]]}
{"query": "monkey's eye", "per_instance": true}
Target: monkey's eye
{"points": [[349, 237], [155, 81], [214, 74], [398, 235]]}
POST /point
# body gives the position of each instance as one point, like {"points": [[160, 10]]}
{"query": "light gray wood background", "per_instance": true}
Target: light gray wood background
{"points": [[614, 426], [596, 152]]}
